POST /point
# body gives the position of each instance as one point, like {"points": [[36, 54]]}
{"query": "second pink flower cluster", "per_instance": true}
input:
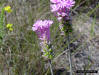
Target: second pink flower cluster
{"points": [[61, 8]]}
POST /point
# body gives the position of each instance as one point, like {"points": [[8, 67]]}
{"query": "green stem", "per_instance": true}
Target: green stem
{"points": [[51, 67], [1, 25], [70, 59]]}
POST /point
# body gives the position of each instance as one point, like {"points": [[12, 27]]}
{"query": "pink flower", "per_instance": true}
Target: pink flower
{"points": [[55, 1], [42, 28], [70, 3], [61, 8]]}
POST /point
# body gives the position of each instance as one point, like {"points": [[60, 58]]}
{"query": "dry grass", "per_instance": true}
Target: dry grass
{"points": [[20, 51]]}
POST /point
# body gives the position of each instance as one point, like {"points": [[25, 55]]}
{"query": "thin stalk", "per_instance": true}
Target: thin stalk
{"points": [[84, 62], [70, 60], [51, 67]]}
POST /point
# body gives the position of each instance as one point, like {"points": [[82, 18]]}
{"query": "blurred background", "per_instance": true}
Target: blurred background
{"points": [[20, 52]]}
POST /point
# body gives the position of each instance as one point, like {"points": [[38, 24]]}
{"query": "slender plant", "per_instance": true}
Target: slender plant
{"points": [[2, 25], [61, 9], [2, 22], [42, 29]]}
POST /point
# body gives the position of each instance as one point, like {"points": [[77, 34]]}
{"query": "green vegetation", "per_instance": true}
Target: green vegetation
{"points": [[19, 48]]}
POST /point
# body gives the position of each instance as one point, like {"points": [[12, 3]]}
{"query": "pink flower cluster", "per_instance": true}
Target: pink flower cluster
{"points": [[61, 8], [42, 28]]}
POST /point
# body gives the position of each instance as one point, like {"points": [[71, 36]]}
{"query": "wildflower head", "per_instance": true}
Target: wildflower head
{"points": [[61, 8], [10, 29], [8, 9], [42, 28], [9, 26]]}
